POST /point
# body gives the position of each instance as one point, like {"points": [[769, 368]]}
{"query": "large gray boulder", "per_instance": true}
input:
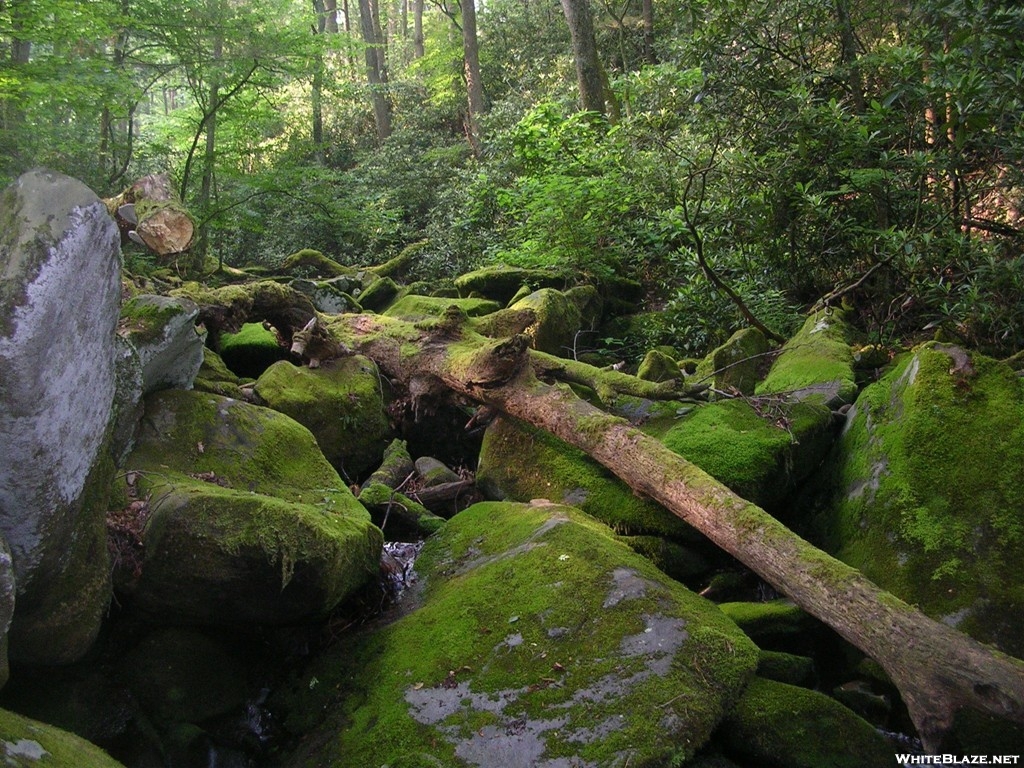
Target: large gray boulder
{"points": [[59, 302]]}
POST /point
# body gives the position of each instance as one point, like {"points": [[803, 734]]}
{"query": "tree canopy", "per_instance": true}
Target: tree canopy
{"points": [[768, 155]]}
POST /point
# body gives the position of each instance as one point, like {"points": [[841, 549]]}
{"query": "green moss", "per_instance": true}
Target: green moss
{"points": [[398, 515], [760, 456], [786, 668], [928, 502], [775, 724], [501, 283], [775, 623], [317, 262], [818, 354], [243, 496], [143, 321], [520, 463], [658, 366], [558, 318], [256, 449], [535, 615], [414, 308], [251, 351], [341, 403], [30, 744]]}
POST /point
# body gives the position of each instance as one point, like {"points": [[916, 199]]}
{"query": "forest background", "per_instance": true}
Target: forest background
{"points": [[719, 151]]}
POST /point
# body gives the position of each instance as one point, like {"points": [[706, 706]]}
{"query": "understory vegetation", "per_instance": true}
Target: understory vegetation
{"points": [[856, 152]]}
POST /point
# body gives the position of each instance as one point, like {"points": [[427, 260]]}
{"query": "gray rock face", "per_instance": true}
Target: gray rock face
{"points": [[163, 330], [59, 299]]}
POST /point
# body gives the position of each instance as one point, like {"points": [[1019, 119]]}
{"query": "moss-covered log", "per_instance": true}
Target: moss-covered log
{"points": [[938, 670]]}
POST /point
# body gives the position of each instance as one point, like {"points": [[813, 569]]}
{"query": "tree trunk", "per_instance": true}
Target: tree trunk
{"points": [[937, 669], [584, 49], [647, 14], [375, 73], [417, 29], [474, 85]]}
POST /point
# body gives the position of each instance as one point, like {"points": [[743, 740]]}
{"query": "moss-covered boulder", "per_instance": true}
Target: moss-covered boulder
{"points": [[59, 303], [519, 463], [30, 744], [736, 364], [341, 403], [332, 296], [379, 294], [248, 522], [414, 308], [816, 363], [559, 317], [928, 500], [216, 378], [251, 351], [501, 283], [762, 450], [540, 641], [163, 331], [775, 725], [764, 447], [658, 366]]}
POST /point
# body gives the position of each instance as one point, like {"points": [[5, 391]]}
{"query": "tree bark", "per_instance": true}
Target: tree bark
{"points": [[474, 84], [375, 73], [584, 49], [418, 50], [937, 669]]}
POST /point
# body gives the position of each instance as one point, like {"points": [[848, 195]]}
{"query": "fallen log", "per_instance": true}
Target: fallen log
{"points": [[938, 670]]}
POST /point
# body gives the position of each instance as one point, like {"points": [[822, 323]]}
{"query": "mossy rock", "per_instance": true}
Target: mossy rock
{"points": [[378, 296], [163, 332], [817, 363], [520, 463], [558, 319], [251, 351], [501, 283], [415, 308], [787, 668], [737, 363], [216, 378], [539, 640], [332, 297], [775, 725], [774, 625], [30, 744], [762, 450], [927, 499], [248, 521], [341, 403], [658, 366]]}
